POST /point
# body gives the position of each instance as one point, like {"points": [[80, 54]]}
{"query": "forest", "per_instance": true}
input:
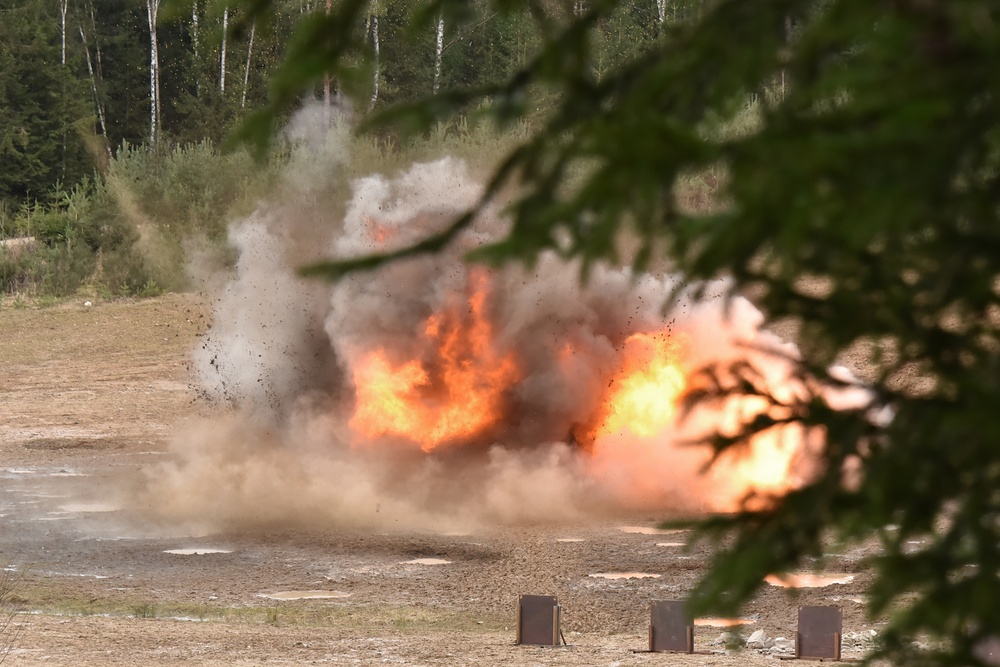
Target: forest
{"points": [[116, 118]]}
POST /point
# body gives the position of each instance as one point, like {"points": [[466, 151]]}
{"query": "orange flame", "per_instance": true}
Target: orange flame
{"points": [[644, 392], [379, 232], [456, 392]]}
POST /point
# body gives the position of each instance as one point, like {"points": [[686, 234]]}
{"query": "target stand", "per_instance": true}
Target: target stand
{"points": [[818, 636], [671, 628], [538, 618]]}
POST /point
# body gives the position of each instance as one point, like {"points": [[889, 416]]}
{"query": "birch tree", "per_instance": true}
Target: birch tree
{"points": [[196, 44], [438, 51], [152, 10], [326, 80], [98, 103], [375, 53], [222, 57], [246, 71], [63, 9]]}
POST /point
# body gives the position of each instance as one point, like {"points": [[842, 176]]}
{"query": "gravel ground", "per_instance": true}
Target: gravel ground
{"points": [[90, 395]]}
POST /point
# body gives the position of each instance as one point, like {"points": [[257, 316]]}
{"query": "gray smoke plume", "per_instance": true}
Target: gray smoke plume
{"points": [[285, 354]]}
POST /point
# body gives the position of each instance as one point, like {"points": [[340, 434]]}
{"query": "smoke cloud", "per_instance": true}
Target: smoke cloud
{"points": [[288, 355]]}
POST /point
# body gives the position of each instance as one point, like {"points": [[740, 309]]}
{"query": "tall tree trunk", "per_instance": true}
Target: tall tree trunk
{"points": [[326, 82], [152, 9], [222, 65], [97, 42], [246, 72], [63, 8], [661, 11], [97, 98], [375, 46], [438, 50], [196, 44], [788, 38]]}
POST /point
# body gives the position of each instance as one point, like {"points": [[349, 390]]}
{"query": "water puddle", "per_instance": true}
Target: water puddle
{"points": [[197, 551], [306, 595], [722, 622], [426, 561], [669, 544], [807, 579], [855, 599], [86, 508], [569, 539], [649, 530], [624, 575]]}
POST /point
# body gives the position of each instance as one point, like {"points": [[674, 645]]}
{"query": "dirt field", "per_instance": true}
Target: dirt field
{"points": [[89, 396]]}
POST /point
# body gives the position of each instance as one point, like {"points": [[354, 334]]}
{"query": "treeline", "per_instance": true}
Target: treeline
{"points": [[106, 104], [80, 78]]}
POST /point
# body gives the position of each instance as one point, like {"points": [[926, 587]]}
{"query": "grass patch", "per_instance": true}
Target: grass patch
{"points": [[48, 598]]}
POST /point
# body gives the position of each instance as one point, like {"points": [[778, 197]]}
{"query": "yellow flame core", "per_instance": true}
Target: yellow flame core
{"points": [[644, 392]]}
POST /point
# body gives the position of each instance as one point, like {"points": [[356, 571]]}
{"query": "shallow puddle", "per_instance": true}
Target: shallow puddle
{"points": [[722, 622], [197, 551], [87, 508], [569, 539], [306, 595], [624, 575], [855, 599], [808, 579], [648, 530], [427, 561], [669, 544]]}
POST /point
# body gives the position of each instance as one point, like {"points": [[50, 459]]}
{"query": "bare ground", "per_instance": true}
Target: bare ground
{"points": [[90, 395]]}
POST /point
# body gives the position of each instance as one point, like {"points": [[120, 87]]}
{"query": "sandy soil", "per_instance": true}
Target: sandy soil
{"points": [[89, 396]]}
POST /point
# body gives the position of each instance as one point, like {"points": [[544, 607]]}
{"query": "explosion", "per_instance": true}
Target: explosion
{"points": [[428, 389], [643, 394], [454, 393]]}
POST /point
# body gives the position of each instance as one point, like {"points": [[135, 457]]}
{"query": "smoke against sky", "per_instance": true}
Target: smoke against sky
{"points": [[431, 394]]}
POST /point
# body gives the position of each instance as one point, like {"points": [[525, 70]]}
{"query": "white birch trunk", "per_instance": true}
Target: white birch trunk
{"points": [[438, 50], [152, 9], [326, 82], [195, 36], [63, 8], [661, 10], [97, 43], [246, 72], [97, 98], [222, 65], [371, 104], [788, 38]]}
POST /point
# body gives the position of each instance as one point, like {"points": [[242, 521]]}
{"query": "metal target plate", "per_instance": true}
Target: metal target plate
{"points": [[671, 628], [538, 620], [820, 630]]}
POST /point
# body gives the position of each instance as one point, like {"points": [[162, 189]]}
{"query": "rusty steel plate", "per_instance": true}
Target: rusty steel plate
{"points": [[671, 627], [819, 633], [538, 620]]}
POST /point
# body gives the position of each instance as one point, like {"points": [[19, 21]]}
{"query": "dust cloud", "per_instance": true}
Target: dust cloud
{"points": [[284, 360]]}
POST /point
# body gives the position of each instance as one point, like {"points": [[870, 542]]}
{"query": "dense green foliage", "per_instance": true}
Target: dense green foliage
{"points": [[77, 142], [59, 120], [126, 232], [862, 207]]}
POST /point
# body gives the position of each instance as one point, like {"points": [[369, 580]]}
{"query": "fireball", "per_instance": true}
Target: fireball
{"points": [[453, 393]]}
